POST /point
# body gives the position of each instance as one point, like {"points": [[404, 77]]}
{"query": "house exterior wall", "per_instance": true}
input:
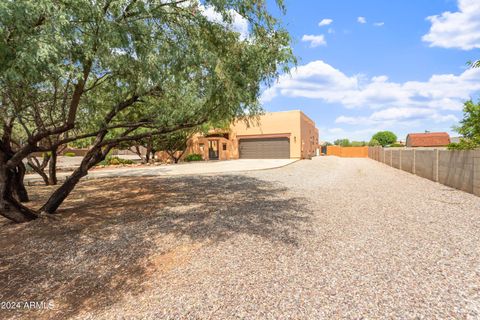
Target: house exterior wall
{"points": [[272, 124], [295, 125], [309, 137]]}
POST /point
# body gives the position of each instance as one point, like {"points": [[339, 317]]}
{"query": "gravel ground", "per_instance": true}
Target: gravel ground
{"points": [[328, 238]]}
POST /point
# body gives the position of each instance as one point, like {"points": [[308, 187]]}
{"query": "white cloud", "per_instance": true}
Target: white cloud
{"points": [[315, 40], [434, 99], [379, 24], [238, 23], [331, 30], [398, 115], [456, 29], [319, 80], [361, 20], [325, 22]]}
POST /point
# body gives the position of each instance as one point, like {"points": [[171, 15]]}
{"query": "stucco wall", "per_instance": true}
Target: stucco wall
{"points": [[276, 123], [295, 125], [309, 136]]}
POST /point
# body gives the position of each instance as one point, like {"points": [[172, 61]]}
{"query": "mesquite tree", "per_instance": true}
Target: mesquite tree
{"points": [[114, 71], [174, 144]]}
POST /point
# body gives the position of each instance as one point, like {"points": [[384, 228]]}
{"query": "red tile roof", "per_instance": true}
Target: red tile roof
{"points": [[430, 139]]}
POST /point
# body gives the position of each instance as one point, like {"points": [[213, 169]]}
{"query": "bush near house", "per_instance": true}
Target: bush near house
{"points": [[193, 157], [114, 161], [69, 154]]}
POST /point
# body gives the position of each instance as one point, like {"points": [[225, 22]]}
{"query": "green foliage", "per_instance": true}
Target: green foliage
{"points": [[474, 64], [469, 128], [115, 161], [464, 144], [396, 145], [342, 142], [348, 143], [104, 72], [193, 157], [470, 124], [358, 144], [69, 154], [385, 138], [373, 143], [176, 141], [184, 68]]}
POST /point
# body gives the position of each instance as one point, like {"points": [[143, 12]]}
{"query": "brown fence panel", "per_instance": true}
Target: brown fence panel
{"points": [[347, 152]]}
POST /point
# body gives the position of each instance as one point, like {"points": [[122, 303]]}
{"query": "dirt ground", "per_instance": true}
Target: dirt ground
{"points": [[329, 238], [113, 236]]}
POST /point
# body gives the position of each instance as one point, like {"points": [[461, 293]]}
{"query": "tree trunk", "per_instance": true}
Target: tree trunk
{"points": [[153, 152], [18, 183], [52, 169], [10, 207], [57, 198], [139, 153], [39, 168], [94, 156], [147, 157]]}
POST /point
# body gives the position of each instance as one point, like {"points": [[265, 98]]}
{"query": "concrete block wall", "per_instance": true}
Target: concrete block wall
{"points": [[396, 159], [425, 164], [388, 157], [456, 169], [407, 160], [476, 173]]}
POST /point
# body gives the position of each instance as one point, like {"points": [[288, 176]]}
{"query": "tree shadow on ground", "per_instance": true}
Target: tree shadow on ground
{"points": [[99, 249]]}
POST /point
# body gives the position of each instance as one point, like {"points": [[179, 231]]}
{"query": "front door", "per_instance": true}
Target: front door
{"points": [[213, 149]]}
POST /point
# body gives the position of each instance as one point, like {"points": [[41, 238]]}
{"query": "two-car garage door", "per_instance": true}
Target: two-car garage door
{"points": [[265, 148]]}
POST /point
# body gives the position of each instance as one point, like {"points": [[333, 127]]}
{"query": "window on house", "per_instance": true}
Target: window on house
{"points": [[224, 147]]}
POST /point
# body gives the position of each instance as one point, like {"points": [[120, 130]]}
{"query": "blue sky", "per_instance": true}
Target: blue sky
{"points": [[380, 65]]}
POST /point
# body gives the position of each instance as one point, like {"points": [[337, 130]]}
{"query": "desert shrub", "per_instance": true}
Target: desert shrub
{"points": [[193, 157], [342, 143], [464, 144], [358, 144], [396, 145], [69, 154], [114, 161]]}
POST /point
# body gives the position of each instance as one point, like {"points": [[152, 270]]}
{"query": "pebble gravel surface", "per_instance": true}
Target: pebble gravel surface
{"points": [[364, 241], [328, 238]]}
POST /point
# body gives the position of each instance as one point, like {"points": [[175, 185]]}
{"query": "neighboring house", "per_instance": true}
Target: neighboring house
{"points": [[428, 139], [276, 135]]}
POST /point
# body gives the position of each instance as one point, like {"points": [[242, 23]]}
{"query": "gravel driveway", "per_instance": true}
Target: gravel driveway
{"points": [[328, 238]]}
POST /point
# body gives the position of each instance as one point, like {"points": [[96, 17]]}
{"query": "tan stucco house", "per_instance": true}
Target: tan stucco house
{"points": [[276, 135]]}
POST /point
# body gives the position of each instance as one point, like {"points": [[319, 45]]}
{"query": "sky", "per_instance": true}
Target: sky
{"points": [[370, 65]]}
